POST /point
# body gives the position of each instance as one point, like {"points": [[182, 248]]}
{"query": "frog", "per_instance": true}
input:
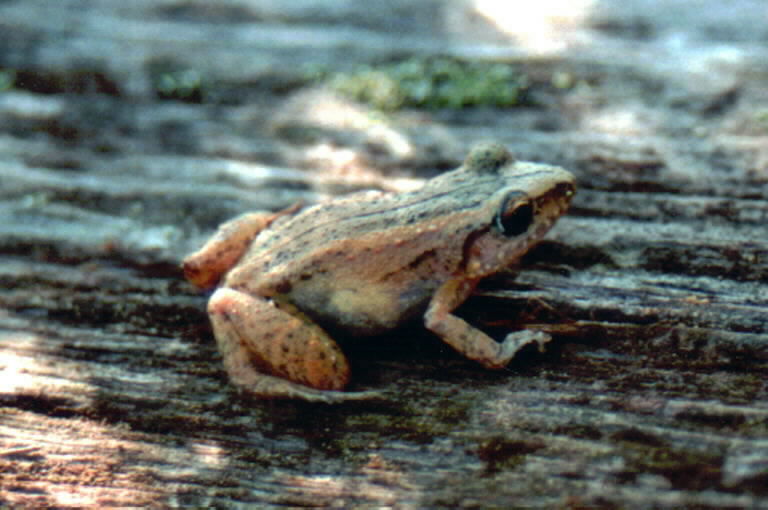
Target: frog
{"points": [[286, 283]]}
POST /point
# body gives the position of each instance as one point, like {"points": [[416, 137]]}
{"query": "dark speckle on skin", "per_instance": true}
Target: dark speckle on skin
{"points": [[364, 262], [284, 287]]}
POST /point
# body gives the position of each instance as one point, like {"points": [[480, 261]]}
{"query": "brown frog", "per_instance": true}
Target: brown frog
{"points": [[365, 264]]}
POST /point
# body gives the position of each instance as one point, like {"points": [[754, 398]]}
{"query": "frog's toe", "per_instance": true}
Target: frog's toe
{"points": [[519, 339], [338, 397], [328, 397], [266, 386], [362, 395]]}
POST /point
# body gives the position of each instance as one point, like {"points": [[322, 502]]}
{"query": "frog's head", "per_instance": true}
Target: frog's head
{"points": [[529, 199]]}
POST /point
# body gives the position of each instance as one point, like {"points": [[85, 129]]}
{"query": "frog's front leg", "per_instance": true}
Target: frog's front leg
{"points": [[272, 353], [206, 266], [466, 339]]}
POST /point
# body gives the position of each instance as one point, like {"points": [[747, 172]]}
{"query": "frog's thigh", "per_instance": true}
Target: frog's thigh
{"points": [[270, 352], [466, 339], [207, 265]]}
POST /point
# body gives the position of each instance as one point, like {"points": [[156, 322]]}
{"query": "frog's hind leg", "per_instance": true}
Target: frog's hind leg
{"points": [[271, 353], [206, 266]]}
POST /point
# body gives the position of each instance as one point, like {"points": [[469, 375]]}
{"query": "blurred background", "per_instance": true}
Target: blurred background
{"points": [[130, 129]]}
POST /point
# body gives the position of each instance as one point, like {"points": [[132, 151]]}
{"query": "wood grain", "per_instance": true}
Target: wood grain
{"points": [[652, 395]]}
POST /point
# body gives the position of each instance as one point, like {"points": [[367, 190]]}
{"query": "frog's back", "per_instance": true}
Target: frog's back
{"points": [[371, 231], [366, 262]]}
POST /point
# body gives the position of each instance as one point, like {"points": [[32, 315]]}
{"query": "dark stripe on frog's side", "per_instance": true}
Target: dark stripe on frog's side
{"points": [[336, 225], [412, 265], [289, 246], [385, 215], [454, 191]]}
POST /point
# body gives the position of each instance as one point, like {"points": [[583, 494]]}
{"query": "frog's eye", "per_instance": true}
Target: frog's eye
{"points": [[513, 219]]}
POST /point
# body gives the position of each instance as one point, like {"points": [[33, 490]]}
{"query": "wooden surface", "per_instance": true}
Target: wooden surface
{"points": [[653, 393]]}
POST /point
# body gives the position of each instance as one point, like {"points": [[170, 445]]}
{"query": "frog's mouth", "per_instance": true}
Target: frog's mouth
{"points": [[514, 229], [548, 208], [555, 202]]}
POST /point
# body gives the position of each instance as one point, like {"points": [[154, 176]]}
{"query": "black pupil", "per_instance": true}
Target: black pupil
{"points": [[517, 221]]}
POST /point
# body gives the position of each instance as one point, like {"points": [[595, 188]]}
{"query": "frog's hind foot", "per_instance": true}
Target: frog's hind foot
{"points": [[265, 386]]}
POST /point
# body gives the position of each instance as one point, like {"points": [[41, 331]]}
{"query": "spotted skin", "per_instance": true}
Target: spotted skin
{"points": [[365, 264]]}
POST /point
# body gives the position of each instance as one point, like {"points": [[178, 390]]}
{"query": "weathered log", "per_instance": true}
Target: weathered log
{"points": [[653, 393]]}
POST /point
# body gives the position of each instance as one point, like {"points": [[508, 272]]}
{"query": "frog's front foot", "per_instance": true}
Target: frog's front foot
{"points": [[468, 340], [516, 340]]}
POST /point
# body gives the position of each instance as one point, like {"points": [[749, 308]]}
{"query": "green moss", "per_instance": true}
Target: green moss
{"points": [[172, 81], [183, 84], [7, 79], [761, 117], [503, 454], [434, 83], [685, 469]]}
